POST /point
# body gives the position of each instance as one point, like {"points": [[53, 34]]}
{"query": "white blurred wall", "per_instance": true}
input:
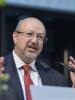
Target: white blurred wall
{"points": [[67, 5]]}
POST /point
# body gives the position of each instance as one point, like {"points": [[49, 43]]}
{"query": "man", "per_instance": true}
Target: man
{"points": [[28, 37], [71, 63]]}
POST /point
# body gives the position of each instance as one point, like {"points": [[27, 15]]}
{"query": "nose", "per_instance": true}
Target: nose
{"points": [[34, 39]]}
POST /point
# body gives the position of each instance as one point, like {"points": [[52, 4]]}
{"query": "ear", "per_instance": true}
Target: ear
{"points": [[45, 43], [15, 34], [46, 39]]}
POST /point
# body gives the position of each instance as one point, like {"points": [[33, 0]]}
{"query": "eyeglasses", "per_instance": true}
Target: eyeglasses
{"points": [[31, 34]]}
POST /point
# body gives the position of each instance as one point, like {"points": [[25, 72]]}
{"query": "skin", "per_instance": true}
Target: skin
{"points": [[1, 66], [71, 63], [29, 46]]}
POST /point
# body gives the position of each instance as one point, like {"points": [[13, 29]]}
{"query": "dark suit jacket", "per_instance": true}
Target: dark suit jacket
{"points": [[14, 92]]}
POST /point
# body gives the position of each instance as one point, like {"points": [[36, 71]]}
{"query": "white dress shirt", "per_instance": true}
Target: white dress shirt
{"points": [[33, 73]]}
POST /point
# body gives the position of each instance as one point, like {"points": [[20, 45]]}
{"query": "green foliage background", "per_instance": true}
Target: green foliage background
{"points": [[2, 3]]}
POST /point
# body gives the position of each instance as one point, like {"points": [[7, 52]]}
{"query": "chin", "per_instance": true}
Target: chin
{"points": [[31, 55]]}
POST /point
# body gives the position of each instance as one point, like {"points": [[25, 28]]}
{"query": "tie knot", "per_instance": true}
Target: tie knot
{"points": [[26, 68]]}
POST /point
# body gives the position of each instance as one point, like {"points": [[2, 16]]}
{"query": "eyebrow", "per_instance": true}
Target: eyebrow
{"points": [[36, 32], [39, 33], [19, 32]]}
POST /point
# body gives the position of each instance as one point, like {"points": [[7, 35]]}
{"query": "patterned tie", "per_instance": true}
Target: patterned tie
{"points": [[27, 81]]}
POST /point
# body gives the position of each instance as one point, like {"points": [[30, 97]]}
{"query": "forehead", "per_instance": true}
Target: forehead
{"points": [[32, 24]]}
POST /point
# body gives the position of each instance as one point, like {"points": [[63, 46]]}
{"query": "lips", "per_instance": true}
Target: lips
{"points": [[32, 48]]}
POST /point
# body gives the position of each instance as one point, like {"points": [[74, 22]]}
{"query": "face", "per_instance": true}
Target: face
{"points": [[29, 39]]}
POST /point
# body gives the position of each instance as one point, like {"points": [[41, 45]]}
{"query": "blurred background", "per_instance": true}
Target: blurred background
{"points": [[59, 19]]}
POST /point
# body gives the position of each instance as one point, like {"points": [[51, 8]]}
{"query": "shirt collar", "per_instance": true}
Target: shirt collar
{"points": [[20, 63]]}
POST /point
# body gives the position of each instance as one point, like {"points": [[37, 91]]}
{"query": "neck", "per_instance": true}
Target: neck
{"points": [[25, 59]]}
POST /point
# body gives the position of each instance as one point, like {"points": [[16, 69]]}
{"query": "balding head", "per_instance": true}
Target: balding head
{"points": [[31, 20], [29, 38]]}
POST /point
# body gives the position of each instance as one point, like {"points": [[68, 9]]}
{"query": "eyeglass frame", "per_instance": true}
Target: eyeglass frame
{"points": [[41, 38]]}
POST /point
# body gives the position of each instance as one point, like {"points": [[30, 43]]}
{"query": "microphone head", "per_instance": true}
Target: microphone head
{"points": [[67, 67]]}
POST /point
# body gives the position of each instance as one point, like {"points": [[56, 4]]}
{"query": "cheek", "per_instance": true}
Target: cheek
{"points": [[41, 46], [21, 43]]}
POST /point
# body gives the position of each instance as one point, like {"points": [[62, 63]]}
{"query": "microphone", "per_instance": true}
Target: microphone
{"points": [[67, 67], [42, 63]]}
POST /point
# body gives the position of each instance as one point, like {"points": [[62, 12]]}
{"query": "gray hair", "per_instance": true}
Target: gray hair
{"points": [[22, 20], [18, 25]]}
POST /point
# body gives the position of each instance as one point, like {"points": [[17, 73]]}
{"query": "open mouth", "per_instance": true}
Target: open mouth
{"points": [[31, 48]]}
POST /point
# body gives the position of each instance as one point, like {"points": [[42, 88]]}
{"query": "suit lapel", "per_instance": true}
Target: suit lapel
{"points": [[43, 74], [47, 74], [14, 78]]}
